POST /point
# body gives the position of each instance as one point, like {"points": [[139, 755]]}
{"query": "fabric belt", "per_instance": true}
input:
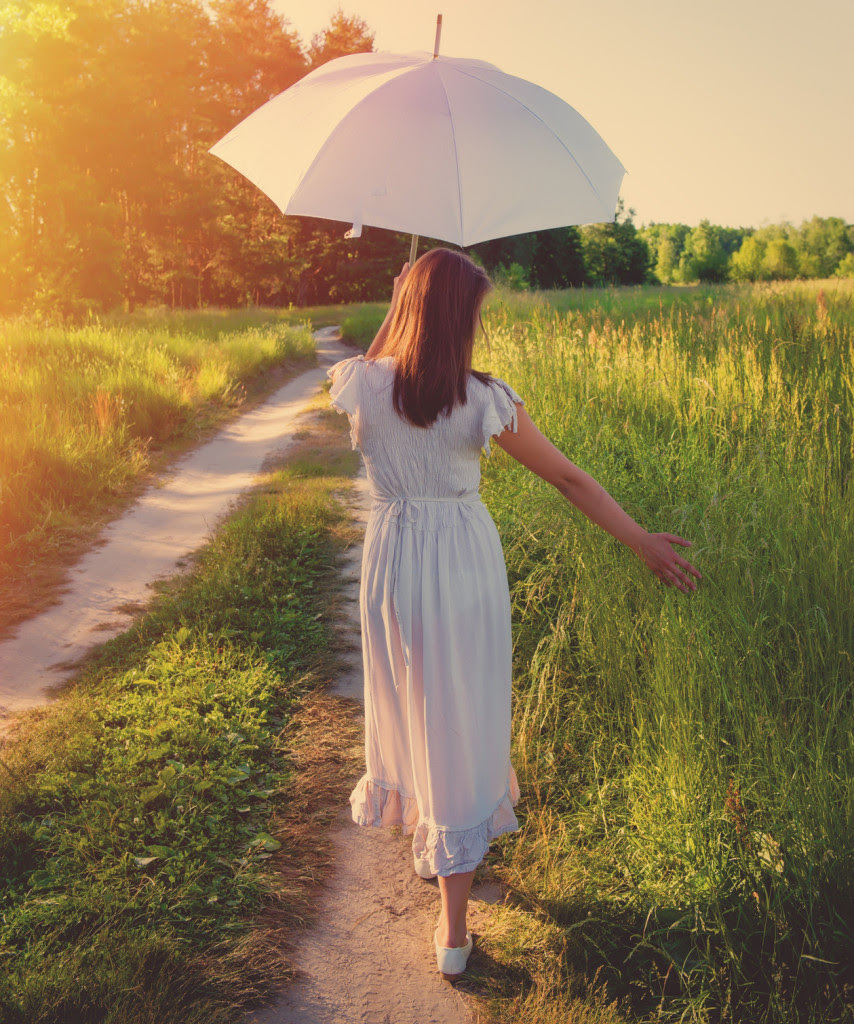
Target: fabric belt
{"points": [[405, 504]]}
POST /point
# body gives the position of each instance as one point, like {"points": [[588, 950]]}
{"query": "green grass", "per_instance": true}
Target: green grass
{"points": [[139, 814], [687, 762], [83, 408], [361, 323]]}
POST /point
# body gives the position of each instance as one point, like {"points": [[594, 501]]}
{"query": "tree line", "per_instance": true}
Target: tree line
{"points": [[621, 253], [109, 197]]}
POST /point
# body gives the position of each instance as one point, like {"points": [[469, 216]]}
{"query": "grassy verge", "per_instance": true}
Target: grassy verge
{"points": [[89, 412], [361, 323], [686, 849], [172, 797]]}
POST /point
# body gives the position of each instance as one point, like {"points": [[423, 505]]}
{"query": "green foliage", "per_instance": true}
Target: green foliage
{"points": [[747, 262], [546, 259], [558, 259], [846, 266], [780, 262], [615, 253], [704, 257], [776, 252], [513, 277], [822, 244], [137, 819], [686, 762]]}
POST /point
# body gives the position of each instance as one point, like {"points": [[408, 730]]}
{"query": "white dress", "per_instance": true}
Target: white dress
{"points": [[435, 614]]}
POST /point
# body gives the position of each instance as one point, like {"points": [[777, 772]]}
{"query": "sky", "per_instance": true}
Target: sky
{"points": [[740, 112]]}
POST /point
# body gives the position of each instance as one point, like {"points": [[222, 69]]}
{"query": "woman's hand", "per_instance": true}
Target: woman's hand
{"points": [[667, 565], [377, 345], [398, 284]]}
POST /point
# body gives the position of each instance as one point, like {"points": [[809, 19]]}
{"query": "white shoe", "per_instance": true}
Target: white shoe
{"points": [[452, 961]]}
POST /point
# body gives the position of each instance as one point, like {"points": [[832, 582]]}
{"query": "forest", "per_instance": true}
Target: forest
{"points": [[110, 199]]}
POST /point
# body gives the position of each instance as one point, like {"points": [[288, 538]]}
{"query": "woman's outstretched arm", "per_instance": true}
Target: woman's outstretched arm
{"points": [[534, 450], [377, 345]]}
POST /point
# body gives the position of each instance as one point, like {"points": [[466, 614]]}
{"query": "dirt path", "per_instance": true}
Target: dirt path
{"points": [[368, 958], [111, 584]]}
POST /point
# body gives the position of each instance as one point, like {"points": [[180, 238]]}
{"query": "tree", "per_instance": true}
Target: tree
{"points": [[558, 261], [704, 257], [666, 243], [346, 34], [615, 253], [780, 262], [504, 252], [667, 260], [822, 243], [846, 266], [747, 262]]}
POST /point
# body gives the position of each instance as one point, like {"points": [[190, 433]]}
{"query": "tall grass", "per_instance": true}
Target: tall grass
{"points": [[688, 762], [82, 408]]}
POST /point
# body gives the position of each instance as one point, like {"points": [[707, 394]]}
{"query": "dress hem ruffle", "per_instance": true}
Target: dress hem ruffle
{"points": [[445, 850]]}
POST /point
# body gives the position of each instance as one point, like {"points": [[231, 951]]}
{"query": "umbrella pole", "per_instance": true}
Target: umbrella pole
{"points": [[413, 249], [414, 246]]}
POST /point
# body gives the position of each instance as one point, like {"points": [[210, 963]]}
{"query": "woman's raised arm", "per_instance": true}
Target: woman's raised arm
{"points": [[376, 347], [534, 450]]}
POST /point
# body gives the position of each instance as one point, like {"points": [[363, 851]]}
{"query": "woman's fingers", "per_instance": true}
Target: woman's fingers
{"points": [[688, 567], [680, 582], [398, 282]]}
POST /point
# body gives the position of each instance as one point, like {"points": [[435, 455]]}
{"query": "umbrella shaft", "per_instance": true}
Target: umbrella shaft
{"points": [[413, 249]]}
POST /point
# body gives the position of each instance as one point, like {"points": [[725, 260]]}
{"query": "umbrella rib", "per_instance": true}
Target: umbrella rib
{"points": [[456, 154], [535, 115]]}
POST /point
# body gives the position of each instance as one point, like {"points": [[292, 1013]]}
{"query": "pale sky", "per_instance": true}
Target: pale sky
{"points": [[738, 111]]}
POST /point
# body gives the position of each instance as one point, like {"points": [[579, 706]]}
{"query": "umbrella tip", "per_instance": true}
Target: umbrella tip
{"points": [[438, 36]]}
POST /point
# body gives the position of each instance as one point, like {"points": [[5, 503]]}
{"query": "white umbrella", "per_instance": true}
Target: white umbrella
{"points": [[431, 145]]}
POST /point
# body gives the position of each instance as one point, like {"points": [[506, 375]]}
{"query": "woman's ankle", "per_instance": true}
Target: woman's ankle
{"points": [[451, 937]]}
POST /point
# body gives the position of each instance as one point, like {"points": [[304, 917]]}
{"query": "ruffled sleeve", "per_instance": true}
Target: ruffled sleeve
{"points": [[346, 390], [500, 411]]}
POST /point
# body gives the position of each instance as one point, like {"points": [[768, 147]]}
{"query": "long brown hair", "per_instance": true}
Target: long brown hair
{"points": [[431, 335]]}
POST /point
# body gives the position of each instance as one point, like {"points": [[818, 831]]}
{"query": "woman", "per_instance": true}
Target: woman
{"points": [[435, 606]]}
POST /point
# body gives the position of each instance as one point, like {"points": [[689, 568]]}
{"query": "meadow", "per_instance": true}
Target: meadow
{"points": [[687, 843], [89, 411]]}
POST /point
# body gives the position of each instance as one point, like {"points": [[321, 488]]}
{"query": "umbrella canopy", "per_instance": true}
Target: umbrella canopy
{"points": [[439, 146]]}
